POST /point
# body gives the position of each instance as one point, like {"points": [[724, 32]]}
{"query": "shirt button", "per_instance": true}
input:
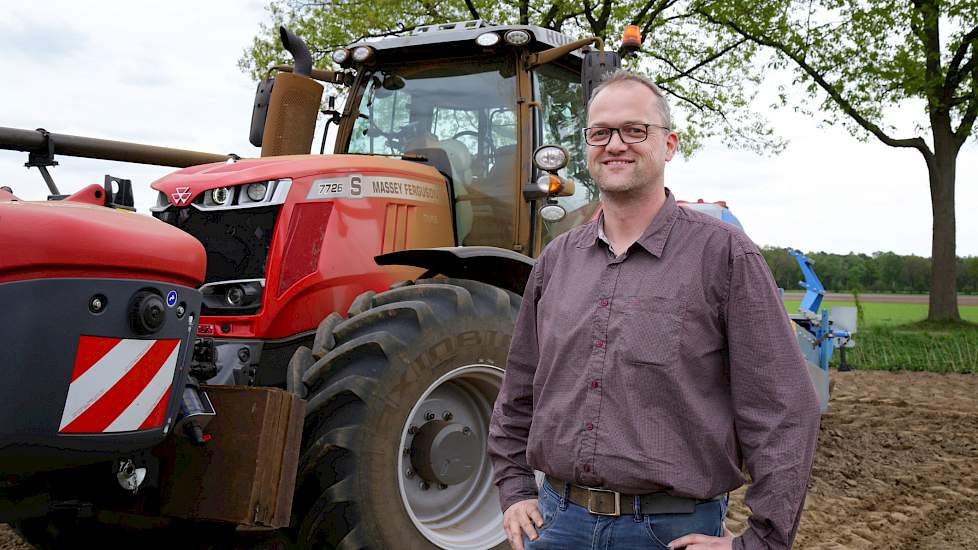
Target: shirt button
{"points": [[589, 426], [596, 384], [599, 344], [604, 303]]}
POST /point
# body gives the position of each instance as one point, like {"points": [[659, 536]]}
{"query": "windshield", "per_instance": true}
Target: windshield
{"points": [[463, 113], [563, 116]]}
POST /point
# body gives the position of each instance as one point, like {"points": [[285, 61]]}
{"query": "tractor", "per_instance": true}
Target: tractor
{"points": [[330, 369]]}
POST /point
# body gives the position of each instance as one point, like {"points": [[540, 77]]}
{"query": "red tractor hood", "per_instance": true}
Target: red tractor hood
{"points": [[183, 186], [62, 239]]}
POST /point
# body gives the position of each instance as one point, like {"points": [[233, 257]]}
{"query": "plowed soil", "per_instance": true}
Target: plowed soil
{"points": [[897, 466]]}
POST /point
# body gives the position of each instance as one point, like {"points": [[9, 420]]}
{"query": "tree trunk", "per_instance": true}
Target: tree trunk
{"points": [[944, 263]]}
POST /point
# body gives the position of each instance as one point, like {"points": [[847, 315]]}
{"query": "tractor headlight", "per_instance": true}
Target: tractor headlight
{"points": [[340, 56], [235, 296], [221, 196], [256, 191], [550, 158], [362, 54], [517, 37], [487, 39]]}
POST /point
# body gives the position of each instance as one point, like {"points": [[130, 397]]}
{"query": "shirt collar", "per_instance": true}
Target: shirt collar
{"points": [[653, 240]]}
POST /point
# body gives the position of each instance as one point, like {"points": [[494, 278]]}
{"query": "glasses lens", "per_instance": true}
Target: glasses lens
{"points": [[597, 136], [634, 133]]}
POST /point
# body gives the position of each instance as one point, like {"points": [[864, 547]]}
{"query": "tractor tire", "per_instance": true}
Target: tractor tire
{"points": [[399, 397]]}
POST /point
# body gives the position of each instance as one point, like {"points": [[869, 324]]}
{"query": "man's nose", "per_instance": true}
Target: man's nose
{"points": [[616, 143]]}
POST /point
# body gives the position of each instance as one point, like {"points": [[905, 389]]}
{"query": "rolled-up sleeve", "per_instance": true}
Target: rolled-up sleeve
{"points": [[509, 427], [774, 401]]}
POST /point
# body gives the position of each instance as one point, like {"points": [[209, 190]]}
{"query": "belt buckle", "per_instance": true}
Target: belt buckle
{"points": [[590, 508]]}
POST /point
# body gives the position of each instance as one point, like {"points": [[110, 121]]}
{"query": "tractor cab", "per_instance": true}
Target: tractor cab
{"points": [[477, 101]]}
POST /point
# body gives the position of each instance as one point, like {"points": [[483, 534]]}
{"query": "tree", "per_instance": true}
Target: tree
{"points": [[783, 267], [705, 69], [863, 57]]}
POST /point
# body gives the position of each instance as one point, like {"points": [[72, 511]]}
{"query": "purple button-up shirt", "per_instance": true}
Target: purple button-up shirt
{"points": [[666, 368]]}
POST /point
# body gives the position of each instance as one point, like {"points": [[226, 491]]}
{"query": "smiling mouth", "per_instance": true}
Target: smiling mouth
{"points": [[616, 162]]}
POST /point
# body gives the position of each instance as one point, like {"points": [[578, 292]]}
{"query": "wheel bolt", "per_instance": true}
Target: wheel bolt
{"points": [[442, 486], [409, 473], [413, 430], [467, 430], [429, 415], [425, 486], [447, 415]]}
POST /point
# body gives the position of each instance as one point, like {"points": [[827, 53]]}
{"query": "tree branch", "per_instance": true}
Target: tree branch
{"points": [[559, 23], [954, 69], [599, 24], [649, 24], [589, 14], [672, 92], [650, 10], [674, 67], [847, 107], [548, 19], [688, 72], [970, 113], [524, 6], [705, 107], [937, 96]]}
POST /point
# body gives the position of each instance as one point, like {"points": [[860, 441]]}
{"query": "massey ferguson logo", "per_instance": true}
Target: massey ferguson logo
{"points": [[181, 196]]}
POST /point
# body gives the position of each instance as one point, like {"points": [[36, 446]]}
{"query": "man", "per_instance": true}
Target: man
{"points": [[651, 360]]}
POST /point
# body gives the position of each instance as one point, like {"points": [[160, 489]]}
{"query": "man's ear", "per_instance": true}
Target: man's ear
{"points": [[672, 142]]}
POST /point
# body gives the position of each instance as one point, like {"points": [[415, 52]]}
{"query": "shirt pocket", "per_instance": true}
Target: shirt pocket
{"points": [[653, 329]]}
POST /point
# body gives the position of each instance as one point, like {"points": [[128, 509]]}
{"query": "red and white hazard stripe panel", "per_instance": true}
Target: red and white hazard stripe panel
{"points": [[119, 385]]}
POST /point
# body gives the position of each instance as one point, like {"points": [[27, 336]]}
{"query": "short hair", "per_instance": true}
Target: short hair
{"points": [[621, 76]]}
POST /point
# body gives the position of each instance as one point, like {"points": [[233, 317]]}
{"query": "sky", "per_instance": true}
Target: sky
{"points": [[165, 73]]}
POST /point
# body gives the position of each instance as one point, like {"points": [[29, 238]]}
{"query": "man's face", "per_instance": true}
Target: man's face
{"points": [[619, 167]]}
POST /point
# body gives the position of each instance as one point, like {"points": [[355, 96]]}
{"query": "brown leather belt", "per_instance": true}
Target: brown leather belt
{"points": [[605, 502]]}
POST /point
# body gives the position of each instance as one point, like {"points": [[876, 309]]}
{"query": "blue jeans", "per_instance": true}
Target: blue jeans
{"points": [[567, 526]]}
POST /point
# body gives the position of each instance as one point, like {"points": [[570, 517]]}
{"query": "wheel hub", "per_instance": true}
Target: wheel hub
{"points": [[445, 453]]}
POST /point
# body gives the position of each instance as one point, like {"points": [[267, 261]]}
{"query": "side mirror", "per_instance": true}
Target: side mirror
{"points": [[258, 114], [595, 66]]}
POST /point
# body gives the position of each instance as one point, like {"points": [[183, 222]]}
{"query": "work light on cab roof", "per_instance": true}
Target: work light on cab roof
{"points": [[517, 37], [340, 56], [487, 40], [363, 54]]}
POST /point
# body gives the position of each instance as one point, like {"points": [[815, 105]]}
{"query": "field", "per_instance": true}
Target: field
{"points": [[888, 314], [892, 336], [896, 465]]}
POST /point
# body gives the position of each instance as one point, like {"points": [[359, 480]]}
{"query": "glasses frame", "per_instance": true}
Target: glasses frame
{"points": [[621, 136]]}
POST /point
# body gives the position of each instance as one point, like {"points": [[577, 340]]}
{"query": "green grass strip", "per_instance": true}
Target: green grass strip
{"points": [[896, 337]]}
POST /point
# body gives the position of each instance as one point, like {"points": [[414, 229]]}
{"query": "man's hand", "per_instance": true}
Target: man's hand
{"points": [[705, 542], [522, 517]]}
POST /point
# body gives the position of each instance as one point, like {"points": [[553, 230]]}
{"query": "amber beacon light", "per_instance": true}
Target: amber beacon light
{"points": [[631, 39]]}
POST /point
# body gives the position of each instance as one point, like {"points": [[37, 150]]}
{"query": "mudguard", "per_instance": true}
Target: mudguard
{"points": [[495, 266]]}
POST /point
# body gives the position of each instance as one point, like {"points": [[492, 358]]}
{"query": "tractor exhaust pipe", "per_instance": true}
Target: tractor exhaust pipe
{"points": [[300, 52]]}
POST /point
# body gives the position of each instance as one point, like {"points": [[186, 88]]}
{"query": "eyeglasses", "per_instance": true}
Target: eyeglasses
{"points": [[629, 133]]}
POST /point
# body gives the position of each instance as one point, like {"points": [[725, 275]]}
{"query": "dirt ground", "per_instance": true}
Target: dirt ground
{"points": [[897, 466]]}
